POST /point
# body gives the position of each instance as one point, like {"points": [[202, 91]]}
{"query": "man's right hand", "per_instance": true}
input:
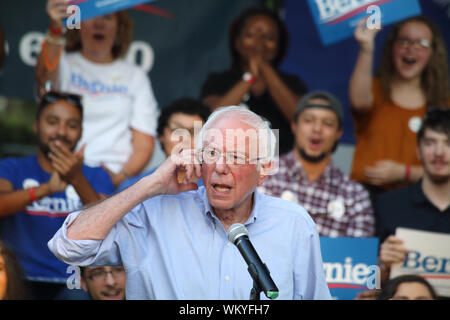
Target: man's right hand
{"points": [[175, 174], [57, 11], [365, 36], [55, 183], [392, 251]]}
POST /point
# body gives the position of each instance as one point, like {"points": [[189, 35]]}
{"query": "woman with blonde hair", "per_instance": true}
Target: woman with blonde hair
{"points": [[120, 109], [387, 109]]}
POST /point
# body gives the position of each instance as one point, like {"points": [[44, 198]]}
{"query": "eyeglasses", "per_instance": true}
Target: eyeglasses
{"points": [[416, 44], [101, 273], [172, 127], [232, 159], [53, 96]]}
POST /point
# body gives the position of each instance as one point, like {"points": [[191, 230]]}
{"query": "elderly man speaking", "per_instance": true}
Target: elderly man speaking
{"points": [[171, 236]]}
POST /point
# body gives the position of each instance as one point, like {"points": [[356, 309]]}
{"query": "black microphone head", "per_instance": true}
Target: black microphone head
{"points": [[235, 231]]}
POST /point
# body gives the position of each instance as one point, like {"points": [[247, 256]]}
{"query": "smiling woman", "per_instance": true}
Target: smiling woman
{"points": [[119, 123], [387, 109]]}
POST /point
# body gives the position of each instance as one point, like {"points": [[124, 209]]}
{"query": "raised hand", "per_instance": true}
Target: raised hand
{"points": [[365, 36], [176, 173], [57, 11], [65, 162], [55, 183]]}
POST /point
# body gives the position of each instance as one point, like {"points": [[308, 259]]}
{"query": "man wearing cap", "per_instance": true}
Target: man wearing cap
{"points": [[339, 207]]}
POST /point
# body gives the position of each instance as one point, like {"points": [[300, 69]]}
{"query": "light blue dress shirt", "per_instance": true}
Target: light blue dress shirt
{"points": [[174, 247]]}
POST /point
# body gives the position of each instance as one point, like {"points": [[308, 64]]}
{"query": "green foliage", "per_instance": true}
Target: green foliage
{"points": [[16, 127]]}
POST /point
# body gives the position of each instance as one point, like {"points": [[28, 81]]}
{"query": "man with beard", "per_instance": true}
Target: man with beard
{"points": [[339, 207], [424, 205], [37, 192]]}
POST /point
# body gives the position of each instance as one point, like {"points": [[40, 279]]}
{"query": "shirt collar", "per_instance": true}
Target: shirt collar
{"points": [[208, 211], [295, 168], [417, 195]]}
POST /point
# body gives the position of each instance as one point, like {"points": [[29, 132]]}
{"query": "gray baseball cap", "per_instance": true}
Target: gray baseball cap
{"points": [[335, 104]]}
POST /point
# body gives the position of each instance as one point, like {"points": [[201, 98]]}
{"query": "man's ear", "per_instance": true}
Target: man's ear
{"points": [[35, 126], [293, 127], [83, 284], [419, 154], [265, 170]]}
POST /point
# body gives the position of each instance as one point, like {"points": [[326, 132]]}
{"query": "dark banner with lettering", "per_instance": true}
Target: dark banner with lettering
{"points": [[329, 67], [177, 42]]}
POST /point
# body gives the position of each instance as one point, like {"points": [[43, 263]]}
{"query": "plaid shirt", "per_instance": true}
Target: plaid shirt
{"points": [[339, 207]]}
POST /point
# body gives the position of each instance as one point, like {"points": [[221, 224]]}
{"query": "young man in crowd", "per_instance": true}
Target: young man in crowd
{"points": [[37, 192], [424, 205], [339, 207], [178, 120], [104, 283]]}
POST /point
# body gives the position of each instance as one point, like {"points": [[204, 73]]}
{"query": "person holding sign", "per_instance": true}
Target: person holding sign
{"points": [[258, 41], [387, 109], [424, 205], [120, 109]]}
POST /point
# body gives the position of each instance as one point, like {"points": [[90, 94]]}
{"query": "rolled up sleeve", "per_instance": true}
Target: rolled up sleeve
{"points": [[83, 252]]}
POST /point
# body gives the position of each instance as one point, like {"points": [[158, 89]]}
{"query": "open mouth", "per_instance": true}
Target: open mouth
{"points": [[98, 36], [112, 294], [315, 142], [221, 187], [409, 61]]}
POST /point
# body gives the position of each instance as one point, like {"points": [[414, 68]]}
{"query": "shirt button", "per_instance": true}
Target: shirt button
{"points": [[227, 278], [228, 244]]}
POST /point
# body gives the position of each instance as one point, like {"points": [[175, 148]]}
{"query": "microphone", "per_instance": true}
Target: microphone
{"points": [[238, 235]]}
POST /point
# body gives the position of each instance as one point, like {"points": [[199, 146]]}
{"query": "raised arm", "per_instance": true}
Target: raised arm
{"points": [[360, 90], [48, 60], [95, 222], [143, 146], [232, 97], [285, 99]]}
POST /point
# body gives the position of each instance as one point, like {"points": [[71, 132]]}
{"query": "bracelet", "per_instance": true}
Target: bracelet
{"points": [[50, 65], [32, 194], [407, 173], [57, 40], [56, 31], [248, 77]]}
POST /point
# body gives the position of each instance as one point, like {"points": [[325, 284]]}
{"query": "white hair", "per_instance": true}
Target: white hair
{"points": [[266, 136]]}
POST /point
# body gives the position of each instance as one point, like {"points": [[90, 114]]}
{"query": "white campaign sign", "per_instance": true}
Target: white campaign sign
{"points": [[428, 256]]}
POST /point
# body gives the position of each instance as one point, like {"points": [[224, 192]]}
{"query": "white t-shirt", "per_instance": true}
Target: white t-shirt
{"points": [[116, 97]]}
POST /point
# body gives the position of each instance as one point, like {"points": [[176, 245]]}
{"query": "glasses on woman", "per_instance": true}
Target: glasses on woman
{"points": [[100, 274], [420, 44]]}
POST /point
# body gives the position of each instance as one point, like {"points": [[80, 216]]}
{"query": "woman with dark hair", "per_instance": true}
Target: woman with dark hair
{"points": [[407, 287], [258, 41], [387, 109], [119, 124], [12, 285]]}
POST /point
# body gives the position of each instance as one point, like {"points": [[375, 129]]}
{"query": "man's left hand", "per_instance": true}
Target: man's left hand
{"points": [[67, 163]]}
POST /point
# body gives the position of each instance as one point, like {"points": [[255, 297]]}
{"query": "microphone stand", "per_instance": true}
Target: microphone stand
{"points": [[255, 293]]}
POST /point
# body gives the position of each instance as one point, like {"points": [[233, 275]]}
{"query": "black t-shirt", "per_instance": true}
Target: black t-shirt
{"points": [[221, 82], [408, 207]]}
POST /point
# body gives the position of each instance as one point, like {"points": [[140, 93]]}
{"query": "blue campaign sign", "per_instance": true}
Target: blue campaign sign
{"points": [[350, 265], [94, 8], [336, 20]]}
